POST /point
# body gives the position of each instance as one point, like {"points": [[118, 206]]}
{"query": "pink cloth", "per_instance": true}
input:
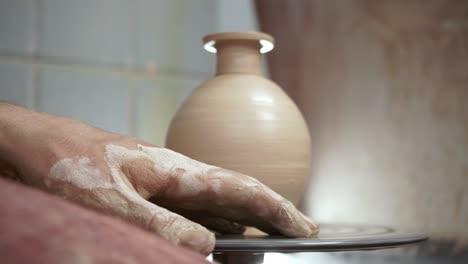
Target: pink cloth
{"points": [[36, 227]]}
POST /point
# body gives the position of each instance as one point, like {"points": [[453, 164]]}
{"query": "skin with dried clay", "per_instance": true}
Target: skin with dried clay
{"points": [[155, 188]]}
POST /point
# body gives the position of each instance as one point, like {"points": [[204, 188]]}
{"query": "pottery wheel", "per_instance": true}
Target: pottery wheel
{"points": [[332, 237]]}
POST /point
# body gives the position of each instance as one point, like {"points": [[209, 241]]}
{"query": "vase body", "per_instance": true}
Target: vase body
{"points": [[241, 121]]}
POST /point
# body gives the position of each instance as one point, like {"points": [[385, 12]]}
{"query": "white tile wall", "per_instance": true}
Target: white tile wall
{"points": [[236, 15], [199, 21], [157, 101], [105, 35], [169, 33], [17, 25], [16, 83], [98, 98], [95, 31]]}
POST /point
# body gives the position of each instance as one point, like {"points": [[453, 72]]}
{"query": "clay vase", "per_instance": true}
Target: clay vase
{"points": [[241, 121]]}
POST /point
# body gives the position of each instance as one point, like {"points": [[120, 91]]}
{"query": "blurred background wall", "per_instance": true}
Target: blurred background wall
{"points": [[383, 85], [122, 65]]}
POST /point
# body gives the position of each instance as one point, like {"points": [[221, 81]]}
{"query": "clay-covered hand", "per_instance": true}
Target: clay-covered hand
{"points": [[155, 188]]}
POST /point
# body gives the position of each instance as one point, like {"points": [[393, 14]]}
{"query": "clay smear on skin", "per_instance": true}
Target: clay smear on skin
{"points": [[169, 163], [82, 173], [166, 161]]}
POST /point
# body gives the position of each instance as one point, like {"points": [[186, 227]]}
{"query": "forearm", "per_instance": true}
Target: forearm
{"points": [[19, 129], [31, 141]]}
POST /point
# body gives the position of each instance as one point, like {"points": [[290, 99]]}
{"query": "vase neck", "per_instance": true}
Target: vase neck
{"points": [[238, 56]]}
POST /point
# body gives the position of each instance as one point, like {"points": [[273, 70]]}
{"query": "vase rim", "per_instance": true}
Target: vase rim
{"points": [[266, 40]]}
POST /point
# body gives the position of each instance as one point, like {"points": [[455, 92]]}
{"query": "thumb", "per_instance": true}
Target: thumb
{"points": [[173, 227], [176, 228]]}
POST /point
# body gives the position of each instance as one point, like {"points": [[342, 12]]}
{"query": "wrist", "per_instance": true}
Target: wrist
{"points": [[28, 139]]}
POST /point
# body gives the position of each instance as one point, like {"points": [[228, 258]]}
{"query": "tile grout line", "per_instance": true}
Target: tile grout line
{"points": [[133, 43], [33, 45], [74, 64], [34, 49], [132, 121]]}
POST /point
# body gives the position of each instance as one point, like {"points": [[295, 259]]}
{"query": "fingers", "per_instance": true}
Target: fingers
{"points": [[171, 226], [263, 207], [186, 183], [220, 225], [209, 221], [123, 202]]}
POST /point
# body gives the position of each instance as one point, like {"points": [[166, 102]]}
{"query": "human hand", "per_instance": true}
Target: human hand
{"points": [[144, 184]]}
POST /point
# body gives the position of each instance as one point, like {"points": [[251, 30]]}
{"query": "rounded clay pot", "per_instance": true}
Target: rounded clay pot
{"points": [[241, 121]]}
